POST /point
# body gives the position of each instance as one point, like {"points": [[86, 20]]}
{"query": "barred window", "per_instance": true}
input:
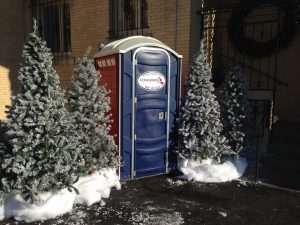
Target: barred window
{"points": [[53, 17], [128, 17]]}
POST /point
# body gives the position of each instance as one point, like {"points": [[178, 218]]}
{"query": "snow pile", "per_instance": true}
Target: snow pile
{"points": [[210, 171], [175, 183], [91, 189], [159, 218], [224, 214]]}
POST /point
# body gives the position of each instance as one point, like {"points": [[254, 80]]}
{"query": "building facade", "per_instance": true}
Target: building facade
{"points": [[71, 26]]}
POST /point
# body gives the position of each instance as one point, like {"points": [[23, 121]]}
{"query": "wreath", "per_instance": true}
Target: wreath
{"points": [[254, 48]]}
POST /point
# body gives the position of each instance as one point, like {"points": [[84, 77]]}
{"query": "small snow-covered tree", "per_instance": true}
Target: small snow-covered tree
{"points": [[234, 104], [199, 121], [89, 105], [40, 151]]}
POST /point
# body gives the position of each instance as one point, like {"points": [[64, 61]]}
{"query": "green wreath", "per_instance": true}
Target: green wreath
{"points": [[254, 48]]}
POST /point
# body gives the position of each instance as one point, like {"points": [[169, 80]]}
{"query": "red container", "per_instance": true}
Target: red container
{"points": [[108, 68]]}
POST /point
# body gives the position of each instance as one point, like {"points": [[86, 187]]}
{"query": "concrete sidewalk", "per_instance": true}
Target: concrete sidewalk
{"points": [[166, 201]]}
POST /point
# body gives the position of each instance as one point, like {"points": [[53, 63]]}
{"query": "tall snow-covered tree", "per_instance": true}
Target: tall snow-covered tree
{"points": [[234, 104], [41, 151], [3, 148], [89, 105], [200, 127]]}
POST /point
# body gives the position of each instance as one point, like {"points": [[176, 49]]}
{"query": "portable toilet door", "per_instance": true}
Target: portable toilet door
{"points": [[151, 90], [148, 98]]}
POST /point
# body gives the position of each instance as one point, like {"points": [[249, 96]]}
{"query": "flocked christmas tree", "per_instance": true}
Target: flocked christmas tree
{"points": [[200, 127], [41, 151], [3, 148], [234, 104], [89, 105]]}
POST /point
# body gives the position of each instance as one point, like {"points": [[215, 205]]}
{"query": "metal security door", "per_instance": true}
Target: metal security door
{"points": [[150, 117]]}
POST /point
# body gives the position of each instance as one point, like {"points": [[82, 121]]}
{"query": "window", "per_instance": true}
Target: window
{"points": [[128, 17], [53, 17]]}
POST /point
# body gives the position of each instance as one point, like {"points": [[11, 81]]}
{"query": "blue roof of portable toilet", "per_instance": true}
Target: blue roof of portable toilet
{"points": [[126, 44]]}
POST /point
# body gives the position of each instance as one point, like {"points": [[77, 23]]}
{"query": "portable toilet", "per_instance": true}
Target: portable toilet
{"points": [[143, 76]]}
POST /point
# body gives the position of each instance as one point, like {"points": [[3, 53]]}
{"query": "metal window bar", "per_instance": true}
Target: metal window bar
{"points": [[53, 18], [127, 18]]}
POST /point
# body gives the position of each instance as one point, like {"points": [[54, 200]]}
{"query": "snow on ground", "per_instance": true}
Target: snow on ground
{"points": [[92, 188], [210, 171], [175, 183], [155, 215], [144, 218]]}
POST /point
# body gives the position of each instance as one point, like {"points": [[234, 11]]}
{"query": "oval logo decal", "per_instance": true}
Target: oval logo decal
{"points": [[151, 81]]}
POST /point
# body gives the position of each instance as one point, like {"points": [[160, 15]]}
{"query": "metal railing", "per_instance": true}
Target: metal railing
{"points": [[261, 71]]}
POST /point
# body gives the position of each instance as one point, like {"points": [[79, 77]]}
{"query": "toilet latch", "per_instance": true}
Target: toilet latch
{"points": [[161, 115]]}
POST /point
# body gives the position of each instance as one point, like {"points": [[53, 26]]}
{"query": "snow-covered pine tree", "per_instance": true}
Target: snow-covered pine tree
{"points": [[41, 151], [89, 105], [199, 122], [234, 104], [3, 148]]}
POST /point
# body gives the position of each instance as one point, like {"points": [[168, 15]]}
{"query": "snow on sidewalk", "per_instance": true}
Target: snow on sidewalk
{"points": [[210, 171], [91, 189]]}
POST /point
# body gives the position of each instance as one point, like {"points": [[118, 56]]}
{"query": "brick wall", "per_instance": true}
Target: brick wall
{"points": [[171, 26], [13, 31], [174, 22], [178, 28], [90, 25], [195, 30]]}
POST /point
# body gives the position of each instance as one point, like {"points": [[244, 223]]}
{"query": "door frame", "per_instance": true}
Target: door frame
{"points": [[134, 63]]}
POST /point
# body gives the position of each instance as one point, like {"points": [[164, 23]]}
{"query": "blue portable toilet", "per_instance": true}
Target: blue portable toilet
{"points": [[143, 75]]}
